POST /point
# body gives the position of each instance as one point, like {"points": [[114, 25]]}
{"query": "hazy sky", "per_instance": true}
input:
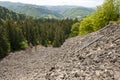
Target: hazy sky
{"points": [[86, 3]]}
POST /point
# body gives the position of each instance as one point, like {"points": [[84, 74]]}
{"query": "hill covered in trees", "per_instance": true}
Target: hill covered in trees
{"points": [[8, 14], [77, 12], [20, 32], [108, 12], [48, 11]]}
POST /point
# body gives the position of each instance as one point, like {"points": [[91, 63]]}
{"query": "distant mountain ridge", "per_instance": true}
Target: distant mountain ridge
{"points": [[48, 11], [30, 10], [6, 14]]}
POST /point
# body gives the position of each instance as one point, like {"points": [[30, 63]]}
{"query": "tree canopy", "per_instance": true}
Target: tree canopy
{"points": [[108, 11]]}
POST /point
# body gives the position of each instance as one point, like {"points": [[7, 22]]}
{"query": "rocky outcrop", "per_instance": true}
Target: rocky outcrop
{"points": [[95, 56]]}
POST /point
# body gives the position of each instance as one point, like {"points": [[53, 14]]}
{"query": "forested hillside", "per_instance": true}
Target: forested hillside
{"points": [[20, 32], [77, 12], [108, 12], [72, 11], [31, 10], [7, 14], [59, 12]]}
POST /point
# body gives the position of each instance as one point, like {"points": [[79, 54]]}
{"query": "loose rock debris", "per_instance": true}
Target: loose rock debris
{"points": [[95, 56]]}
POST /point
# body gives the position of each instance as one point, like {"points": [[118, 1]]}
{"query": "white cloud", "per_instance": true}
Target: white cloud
{"points": [[87, 3]]}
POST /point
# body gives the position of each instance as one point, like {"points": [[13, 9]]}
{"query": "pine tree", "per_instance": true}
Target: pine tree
{"points": [[4, 43]]}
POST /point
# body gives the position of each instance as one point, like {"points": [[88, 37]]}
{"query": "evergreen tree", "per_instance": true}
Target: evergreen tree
{"points": [[4, 43]]}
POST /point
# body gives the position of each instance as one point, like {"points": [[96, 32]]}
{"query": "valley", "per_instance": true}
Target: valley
{"points": [[58, 12]]}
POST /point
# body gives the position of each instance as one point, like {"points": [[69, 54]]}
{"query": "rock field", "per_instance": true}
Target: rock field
{"points": [[95, 56]]}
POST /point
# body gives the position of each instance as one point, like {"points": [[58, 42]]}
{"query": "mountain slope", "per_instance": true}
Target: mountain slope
{"points": [[48, 11], [95, 56], [72, 11], [31, 10], [78, 12], [7, 14]]}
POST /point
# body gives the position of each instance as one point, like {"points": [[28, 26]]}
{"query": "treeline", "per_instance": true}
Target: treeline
{"points": [[108, 11], [17, 35], [18, 31]]}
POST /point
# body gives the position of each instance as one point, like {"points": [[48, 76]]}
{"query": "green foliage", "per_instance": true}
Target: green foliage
{"points": [[75, 29], [59, 37], [47, 32], [103, 15], [86, 26], [23, 44], [7, 14], [118, 21], [117, 6], [17, 34], [4, 43]]}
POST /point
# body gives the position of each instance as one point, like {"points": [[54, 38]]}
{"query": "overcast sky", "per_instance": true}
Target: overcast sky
{"points": [[86, 3]]}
